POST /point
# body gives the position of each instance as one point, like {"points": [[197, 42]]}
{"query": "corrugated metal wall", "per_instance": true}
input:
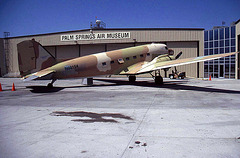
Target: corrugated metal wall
{"points": [[189, 49], [52, 50], [118, 46], [2, 58], [189, 41], [67, 52], [91, 49]]}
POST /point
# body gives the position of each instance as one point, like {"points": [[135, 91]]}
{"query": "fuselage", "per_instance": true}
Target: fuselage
{"points": [[107, 63]]}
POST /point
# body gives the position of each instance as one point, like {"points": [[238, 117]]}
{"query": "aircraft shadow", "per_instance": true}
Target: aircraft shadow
{"points": [[44, 89], [174, 85]]}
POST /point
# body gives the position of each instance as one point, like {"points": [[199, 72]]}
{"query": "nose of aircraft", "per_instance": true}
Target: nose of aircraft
{"points": [[158, 48]]}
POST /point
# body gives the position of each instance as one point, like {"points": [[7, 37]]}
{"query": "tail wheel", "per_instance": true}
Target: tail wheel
{"points": [[132, 78], [50, 85]]}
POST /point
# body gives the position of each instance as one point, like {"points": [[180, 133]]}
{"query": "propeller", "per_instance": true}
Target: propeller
{"points": [[175, 68], [179, 54]]}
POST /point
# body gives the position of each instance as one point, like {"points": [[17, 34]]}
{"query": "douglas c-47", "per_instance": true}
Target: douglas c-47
{"points": [[36, 63]]}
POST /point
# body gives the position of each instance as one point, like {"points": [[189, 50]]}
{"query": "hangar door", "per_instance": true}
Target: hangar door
{"points": [[67, 52], [88, 49], [111, 47], [51, 50], [189, 49]]}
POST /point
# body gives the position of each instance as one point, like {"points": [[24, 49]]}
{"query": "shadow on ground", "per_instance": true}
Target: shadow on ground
{"points": [[44, 89], [174, 85]]}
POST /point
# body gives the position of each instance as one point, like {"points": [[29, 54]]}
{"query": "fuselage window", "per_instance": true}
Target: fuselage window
{"points": [[120, 61], [70, 67], [112, 62], [134, 57], [127, 58], [104, 63], [141, 55], [148, 54]]}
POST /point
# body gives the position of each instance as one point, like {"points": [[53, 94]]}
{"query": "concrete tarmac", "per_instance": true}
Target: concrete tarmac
{"points": [[113, 118]]}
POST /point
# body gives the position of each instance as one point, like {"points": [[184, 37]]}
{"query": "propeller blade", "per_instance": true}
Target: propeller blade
{"points": [[179, 54]]}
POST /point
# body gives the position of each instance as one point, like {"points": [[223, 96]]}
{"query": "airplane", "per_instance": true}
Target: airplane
{"points": [[36, 63]]}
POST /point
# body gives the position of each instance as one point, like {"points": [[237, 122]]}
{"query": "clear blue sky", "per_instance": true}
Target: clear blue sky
{"points": [[27, 17]]}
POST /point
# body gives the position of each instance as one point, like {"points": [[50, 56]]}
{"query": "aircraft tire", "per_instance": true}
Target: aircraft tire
{"points": [[158, 80], [132, 78], [50, 85]]}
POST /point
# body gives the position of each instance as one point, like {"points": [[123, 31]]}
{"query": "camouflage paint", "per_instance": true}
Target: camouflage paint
{"points": [[92, 65], [101, 63], [128, 61], [32, 57]]}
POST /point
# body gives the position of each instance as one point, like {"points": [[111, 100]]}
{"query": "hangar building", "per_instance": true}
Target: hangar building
{"points": [[222, 39], [191, 41], [71, 44]]}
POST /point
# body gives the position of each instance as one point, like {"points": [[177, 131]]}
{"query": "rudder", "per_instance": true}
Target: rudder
{"points": [[32, 57]]}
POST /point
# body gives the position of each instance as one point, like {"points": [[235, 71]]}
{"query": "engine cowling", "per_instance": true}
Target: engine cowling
{"points": [[165, 57]]}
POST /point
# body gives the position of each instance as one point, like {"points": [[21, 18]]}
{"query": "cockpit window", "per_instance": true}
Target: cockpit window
{"points": [[166, 48]]}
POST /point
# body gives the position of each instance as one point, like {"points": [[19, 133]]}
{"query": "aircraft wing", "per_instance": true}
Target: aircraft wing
{"points": [[43, 74], [157, 65], [133, 68]]}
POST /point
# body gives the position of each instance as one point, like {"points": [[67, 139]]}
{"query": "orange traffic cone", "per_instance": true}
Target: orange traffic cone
{"points": [[0, 87], [210, 78], [13, 87]]}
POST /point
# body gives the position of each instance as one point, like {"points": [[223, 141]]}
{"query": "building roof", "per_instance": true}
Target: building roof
{"points": [[107, 29], [237, 21]]}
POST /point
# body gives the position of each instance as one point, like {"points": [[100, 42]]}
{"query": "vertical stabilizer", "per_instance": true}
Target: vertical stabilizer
{"points": [[32, 57]]}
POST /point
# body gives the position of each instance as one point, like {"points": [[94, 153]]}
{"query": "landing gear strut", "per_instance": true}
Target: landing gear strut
{"points": [[50, 85], [132, 78]]}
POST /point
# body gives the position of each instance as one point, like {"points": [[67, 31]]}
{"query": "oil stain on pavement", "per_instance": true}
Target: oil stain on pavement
{"points": [[93, 117]]}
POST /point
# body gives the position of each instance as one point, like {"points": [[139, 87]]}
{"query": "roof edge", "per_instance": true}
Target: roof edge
{"points": [[237, 21], [190, 29]]}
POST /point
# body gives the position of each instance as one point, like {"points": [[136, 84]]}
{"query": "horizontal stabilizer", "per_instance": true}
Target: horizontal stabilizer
{"points": [[33, 77], [41, 75]]}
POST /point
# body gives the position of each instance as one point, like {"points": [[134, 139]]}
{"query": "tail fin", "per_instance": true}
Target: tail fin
{"points": [[32, 57]]}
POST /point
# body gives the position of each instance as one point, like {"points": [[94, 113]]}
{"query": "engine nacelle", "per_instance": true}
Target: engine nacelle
{"points": [[170, 52], [165, 57]]}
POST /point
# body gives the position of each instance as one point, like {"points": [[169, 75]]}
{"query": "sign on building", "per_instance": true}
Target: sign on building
{"points": [[95, 36]]}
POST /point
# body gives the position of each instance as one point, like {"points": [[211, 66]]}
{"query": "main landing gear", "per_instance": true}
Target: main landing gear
{"points": [[158, 80], [157, 77], [50, 85], [132, 78]]}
